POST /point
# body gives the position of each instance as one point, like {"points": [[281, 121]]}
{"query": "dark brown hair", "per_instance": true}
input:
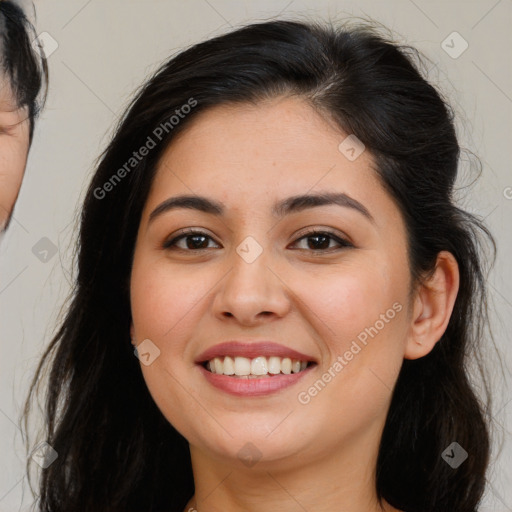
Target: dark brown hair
{"points": [[116, 451]]}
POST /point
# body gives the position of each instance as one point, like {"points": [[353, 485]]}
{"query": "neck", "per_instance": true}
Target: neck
{"points": [[342, 480]]}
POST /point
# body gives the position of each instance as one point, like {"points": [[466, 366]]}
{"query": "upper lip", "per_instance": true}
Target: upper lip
{"points": [[251, 350]]}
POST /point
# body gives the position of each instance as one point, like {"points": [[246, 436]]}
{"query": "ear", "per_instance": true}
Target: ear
{"points": [[433, 306]]}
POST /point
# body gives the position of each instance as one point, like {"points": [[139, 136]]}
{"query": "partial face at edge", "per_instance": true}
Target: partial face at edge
{"points": [[313, 295], [14, 146]]}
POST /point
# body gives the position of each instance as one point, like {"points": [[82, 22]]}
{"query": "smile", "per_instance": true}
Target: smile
{"points": [[244, 377], [256, 367]]}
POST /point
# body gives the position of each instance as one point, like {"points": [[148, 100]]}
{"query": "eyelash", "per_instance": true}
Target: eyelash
{"points": [[169, 244]]}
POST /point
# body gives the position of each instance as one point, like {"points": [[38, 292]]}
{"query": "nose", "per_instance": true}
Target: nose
{"points": [[252, 292]]}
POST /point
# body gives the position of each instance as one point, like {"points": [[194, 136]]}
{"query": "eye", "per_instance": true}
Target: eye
{"points": [[198, 240], [321, 241]]}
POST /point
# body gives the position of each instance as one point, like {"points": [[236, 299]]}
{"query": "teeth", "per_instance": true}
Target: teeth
{"points": [[274, 365], [286, 365], [252, 368], [218, 365], [229, 366], [259, 366], [242, 366]]}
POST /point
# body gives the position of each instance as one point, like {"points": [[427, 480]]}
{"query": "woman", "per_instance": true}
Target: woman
{"points": [[23, 76], [272, 227]]}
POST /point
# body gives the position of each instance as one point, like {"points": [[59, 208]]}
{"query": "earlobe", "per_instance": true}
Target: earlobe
{"points": [[433, 306]]}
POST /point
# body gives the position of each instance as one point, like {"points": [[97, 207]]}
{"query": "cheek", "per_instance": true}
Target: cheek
{"points": [[13, 158], [349, 298], [162, 305], [162, 297], [359, 315]]}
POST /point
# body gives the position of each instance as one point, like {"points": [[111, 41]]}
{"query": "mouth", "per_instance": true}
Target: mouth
{"points": [[268, 379], [255, 368]]}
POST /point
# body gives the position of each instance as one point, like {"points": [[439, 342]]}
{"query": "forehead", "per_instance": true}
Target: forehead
{"points": [[276, 139], [249, 156], [278, 129]]}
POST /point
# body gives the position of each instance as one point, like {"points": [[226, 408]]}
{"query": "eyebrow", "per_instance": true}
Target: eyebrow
{"points": [[284, 207]]}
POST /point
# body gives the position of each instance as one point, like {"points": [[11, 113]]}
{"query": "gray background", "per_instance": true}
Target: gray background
{"points": [[106, 49]]}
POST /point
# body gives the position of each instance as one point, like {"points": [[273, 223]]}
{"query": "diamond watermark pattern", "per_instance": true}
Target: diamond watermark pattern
{"points": [[351, 147], [454, 45], [249, 249], [44, 455], [44, 44], [44, 250], [454, 455], [249, 454], [146, 351]]}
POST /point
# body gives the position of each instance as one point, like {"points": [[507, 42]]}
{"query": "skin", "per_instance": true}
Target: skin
{"points": [[14, 146], [320, 455]]}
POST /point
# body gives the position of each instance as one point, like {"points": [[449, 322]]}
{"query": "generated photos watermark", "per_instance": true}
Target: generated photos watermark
{"points": [[304, 397], [157, 135]]}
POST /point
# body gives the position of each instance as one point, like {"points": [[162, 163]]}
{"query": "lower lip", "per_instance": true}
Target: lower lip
{"points": [[253, 387]]}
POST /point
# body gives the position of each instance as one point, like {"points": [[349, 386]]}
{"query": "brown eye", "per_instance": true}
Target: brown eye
{"points": [[321, 241], [194, 240], [318, 241]]}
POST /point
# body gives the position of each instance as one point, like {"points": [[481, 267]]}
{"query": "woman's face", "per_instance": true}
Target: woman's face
{"points": [[253, 275], [14, 145]]}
